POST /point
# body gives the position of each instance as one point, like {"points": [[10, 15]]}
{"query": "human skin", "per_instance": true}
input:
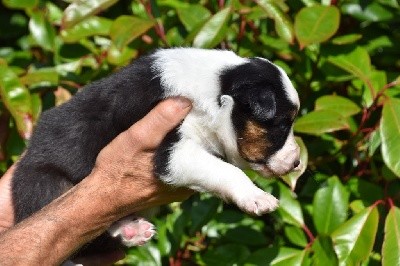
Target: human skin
{"points": [[121, 183]]}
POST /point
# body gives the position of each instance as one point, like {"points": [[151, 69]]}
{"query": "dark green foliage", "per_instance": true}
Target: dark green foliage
{"points": [[342, 56]]}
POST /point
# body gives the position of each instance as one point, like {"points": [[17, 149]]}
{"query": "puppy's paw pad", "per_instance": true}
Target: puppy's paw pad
{"points": [[260, 204], [135, 232]]}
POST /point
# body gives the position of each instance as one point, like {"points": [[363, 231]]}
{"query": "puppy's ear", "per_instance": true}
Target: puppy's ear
{"points": [[261, 102]]}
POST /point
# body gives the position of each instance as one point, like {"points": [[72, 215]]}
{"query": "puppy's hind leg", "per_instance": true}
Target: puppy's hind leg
{"points": [[132, 231], [33, 189]]}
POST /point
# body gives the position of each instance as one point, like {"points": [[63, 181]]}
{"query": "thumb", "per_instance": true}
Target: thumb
{"points": [[151, 129]]}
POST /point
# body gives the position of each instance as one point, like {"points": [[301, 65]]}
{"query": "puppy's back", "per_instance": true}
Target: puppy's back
{"points": [[67, 139]]}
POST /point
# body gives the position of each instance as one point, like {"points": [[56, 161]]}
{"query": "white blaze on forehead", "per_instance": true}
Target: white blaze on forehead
{"points": [[290, 90], [194, 72]]}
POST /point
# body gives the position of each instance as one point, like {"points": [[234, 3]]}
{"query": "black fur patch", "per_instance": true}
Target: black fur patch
{"points": [[67, 139], [260, 95]]}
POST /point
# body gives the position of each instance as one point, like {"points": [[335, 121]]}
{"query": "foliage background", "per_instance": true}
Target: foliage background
{"points": [[342, 56]]}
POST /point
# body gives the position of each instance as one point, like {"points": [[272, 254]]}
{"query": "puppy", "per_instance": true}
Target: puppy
{"points": [[242, 117]]}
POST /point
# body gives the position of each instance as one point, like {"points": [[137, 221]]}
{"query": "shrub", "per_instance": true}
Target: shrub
{"points": [[342, 57]]}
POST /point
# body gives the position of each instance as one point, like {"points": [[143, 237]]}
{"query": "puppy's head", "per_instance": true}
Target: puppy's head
{"points": [[265, 106]]}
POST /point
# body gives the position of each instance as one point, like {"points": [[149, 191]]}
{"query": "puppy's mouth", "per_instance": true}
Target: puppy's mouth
{"points": [[265, 170]]}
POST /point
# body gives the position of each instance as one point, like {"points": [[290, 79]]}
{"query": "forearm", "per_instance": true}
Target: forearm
{"points": [[54, 233]]}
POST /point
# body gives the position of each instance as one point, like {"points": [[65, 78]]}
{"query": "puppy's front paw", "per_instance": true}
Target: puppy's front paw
{"points": [[133, 232], [258, 203]]}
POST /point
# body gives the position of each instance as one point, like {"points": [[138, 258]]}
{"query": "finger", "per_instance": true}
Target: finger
{"points": [[151, 130]]}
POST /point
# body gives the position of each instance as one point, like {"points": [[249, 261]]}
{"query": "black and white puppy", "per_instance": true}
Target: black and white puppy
{"points": [[242, 117]]}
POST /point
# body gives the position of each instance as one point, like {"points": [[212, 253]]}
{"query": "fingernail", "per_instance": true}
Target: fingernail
{"points": [[183, 102]]}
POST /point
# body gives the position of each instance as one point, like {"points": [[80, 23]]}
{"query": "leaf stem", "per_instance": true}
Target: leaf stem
{"points": [[158, 27], [309, 234]]}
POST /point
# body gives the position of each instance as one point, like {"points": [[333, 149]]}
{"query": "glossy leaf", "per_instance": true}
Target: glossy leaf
{"points": [[282, 256], [390, 130], [17, 100], [42, 31], [356, 62], [20, 4], [330, 206], [339, 104], [372, 11], [214, 30], [391, 243], [346, 39], [79, 10], [354, 240], [192, 16], [289, 257], [120, 57], [324, 254], [296, 236], [291, 178], [283, 24], [42, 77], [201, 212], [289, 207], [319, 122], [88, 27], [229, 254], [127, 28], [316, 24]]}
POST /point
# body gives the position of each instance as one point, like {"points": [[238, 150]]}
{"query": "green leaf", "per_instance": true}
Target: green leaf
{"points": [[390, 130], [346, 39], [17, 100], [282, 256], [20, 4], [229, 254], [336, 103], [364, 190], [214, 30], [41, 77], [245, 235], [290, 256], [120, 57], [319, 122], [354, 240], [79, 10], [295, 235], [356, 62], [391, 243], [127, 28], [144, 256], [316, 24], [371, 11], [36, 104], [330, 206], [283, 24], [88, 27], [289, 207], [291, 178], [201, 212], [42, 31], [324, 254], [374, 142], [193, 15]]}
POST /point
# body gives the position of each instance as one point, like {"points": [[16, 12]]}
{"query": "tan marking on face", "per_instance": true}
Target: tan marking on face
{"points": [[252, 142]]}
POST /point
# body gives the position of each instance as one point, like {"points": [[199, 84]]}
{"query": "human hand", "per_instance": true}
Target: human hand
{"points": [[121, 182], [127, 162], [6, 209]]}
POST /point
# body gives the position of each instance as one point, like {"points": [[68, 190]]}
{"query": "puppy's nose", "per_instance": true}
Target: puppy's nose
{"points": [[296, 163]]}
